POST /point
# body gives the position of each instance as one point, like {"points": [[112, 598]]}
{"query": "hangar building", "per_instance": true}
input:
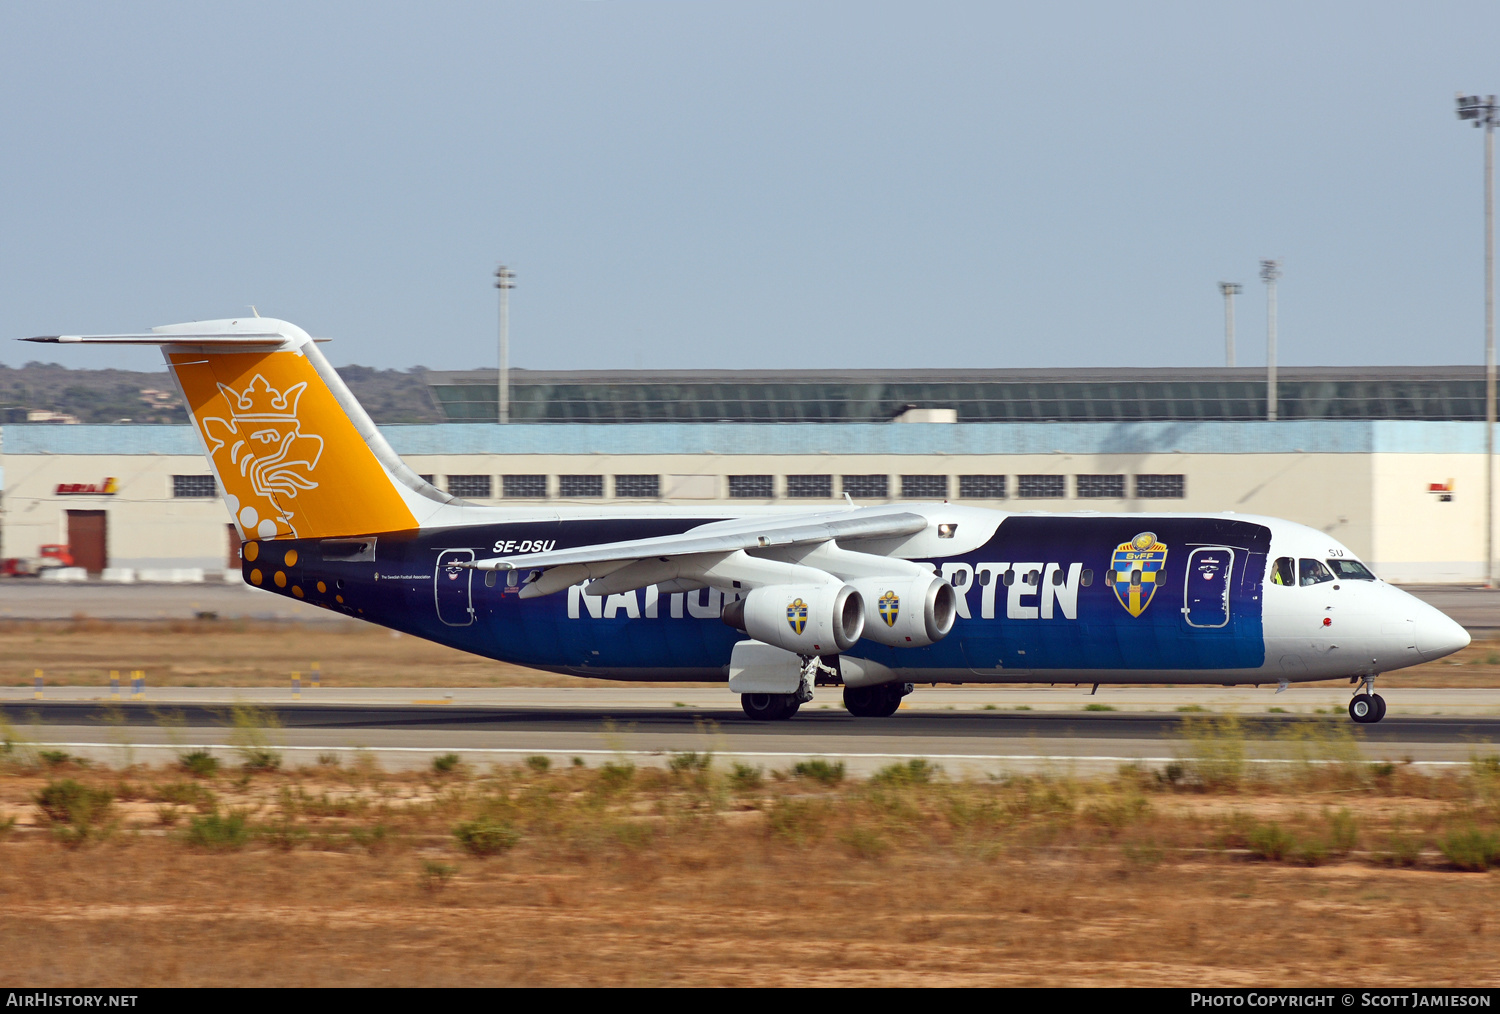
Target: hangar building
{"points": [[1388, 460]]}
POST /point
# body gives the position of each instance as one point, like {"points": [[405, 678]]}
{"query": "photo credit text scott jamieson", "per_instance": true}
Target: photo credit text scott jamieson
{"points": [[1341, 999]]}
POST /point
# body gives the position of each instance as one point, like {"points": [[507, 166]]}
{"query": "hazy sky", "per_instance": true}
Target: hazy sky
{"points": [[751, 184]]}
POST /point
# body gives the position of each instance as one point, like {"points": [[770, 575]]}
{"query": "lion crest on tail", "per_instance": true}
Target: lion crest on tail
{"points": [[262, 456]]}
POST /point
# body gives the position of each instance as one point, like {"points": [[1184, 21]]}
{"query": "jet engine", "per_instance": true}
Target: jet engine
{"points": [[809, 619], [908, 611]]}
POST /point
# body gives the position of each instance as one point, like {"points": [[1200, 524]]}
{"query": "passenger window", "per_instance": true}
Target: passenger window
{"points": [[1351, 570], [984, 577], [1313, 572], [1087, 579], [1283, 571], [1009, 578]]}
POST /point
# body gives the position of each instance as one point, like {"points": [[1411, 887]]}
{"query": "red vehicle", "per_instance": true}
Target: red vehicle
{"points": [[51, 555]]}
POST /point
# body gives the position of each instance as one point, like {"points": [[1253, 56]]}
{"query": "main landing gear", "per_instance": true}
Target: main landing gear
{"points": [[779, 707], [1367, 707], [770, 707], [875, 702], [862, 702]]}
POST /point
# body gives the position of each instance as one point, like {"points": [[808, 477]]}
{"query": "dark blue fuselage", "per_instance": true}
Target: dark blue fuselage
{"points": [[1043, 594]]}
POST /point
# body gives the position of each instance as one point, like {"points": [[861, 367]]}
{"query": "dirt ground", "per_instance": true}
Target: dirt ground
{"points": [[212, 653], [611, 876]]}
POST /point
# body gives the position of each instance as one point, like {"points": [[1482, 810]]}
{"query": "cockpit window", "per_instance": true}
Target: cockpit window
{"points": [[1351, 570], [1283, 571], [1313, 572]]}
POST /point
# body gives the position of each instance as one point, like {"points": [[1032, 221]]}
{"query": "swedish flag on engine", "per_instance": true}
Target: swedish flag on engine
{"points": [[796, 615], [1135, 571]]}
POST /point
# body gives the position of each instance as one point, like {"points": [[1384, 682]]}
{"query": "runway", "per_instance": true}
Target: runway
{"points": [[971, 743]]}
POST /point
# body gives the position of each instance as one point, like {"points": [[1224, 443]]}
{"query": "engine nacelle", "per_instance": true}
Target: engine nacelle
{"points": [[809, 619], [908, 612]]}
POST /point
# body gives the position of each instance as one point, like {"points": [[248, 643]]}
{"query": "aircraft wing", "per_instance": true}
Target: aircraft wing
{"points": [[775, 532]]}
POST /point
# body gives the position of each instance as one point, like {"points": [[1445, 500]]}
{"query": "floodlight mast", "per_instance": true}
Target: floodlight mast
{"points": [[505, 280], [1269, 272], [1485, 112], [1230, 290]]}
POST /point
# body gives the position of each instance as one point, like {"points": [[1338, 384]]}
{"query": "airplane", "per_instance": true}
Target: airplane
{"points": [[774, 601]]}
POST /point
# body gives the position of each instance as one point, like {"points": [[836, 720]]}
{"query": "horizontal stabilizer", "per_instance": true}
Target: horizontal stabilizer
{"points": [[237, 340]]}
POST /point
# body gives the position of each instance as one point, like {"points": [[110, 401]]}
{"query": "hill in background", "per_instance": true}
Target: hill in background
{"points": [[48, 392]]}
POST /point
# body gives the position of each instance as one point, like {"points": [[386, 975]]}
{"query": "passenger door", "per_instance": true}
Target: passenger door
{"points": [[1205, 592], [451, 587]]}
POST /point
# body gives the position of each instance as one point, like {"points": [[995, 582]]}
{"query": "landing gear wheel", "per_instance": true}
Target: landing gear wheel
{"points": [[769, 707], [874, 702], [1379, 707], [1364, 709]]}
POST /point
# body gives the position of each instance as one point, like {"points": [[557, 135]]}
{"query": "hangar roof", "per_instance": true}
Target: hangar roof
{"points": [[1085, 394]]}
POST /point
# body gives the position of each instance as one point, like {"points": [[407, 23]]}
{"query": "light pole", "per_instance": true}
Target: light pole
{"points": [[505, 280], [1485, 112], [1269, 272], [1230, 290]]}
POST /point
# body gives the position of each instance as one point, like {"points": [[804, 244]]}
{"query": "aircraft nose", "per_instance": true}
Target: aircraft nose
{"points": [[1438, 634]]}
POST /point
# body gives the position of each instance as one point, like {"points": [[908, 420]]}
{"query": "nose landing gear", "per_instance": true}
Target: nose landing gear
{"points": [[1367, 707]]}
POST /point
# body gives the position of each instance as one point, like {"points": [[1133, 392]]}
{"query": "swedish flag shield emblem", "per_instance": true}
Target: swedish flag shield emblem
{"points": [[1135, 571], [890, 608], [796, 615]]}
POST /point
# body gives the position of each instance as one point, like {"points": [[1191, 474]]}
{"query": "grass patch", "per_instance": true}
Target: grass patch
{"points": [[1097, 707], [912, 772], [1471, 849], [219, 832], [819, 770], [538, 763], [76, 812], [685, 763], [253, 733], [745, 776], [446, 764], [486, 836], [435, 876], [199, 763]]}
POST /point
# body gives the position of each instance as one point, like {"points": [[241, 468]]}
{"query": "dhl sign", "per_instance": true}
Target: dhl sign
{"points": [[105, 488]]}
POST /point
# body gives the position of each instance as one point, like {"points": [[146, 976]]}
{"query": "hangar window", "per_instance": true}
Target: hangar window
{"points": [[1160, 487], [752, 487], [638, 485], [925, 485], [981, 487], [427, 479], [867, 485], [1038, 487], [1351, 570], [470, 485], [809, 486], [580, 485], [194, 486], [534, 486], [1096, 487]]}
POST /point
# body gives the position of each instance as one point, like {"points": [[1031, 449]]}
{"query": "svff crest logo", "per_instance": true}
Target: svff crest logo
{"points": [[262, 441], [890, 608], [1135, 571], [796, 615]]}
